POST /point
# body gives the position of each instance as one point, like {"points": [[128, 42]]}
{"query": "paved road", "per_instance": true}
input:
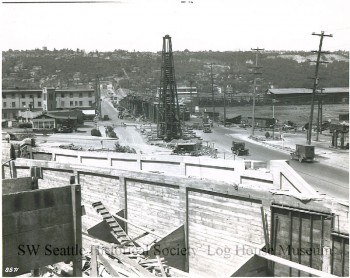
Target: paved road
{"points": [[326, 179]]}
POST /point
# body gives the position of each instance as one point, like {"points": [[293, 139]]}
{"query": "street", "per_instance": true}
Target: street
{"points": [[325, 179]]}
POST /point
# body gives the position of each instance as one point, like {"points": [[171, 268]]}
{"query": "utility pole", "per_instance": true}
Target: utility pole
{"points": [[319, 114], [212, 91], [225, 105], [191, 98], [254, 92], [321, 108], [319, 52]]}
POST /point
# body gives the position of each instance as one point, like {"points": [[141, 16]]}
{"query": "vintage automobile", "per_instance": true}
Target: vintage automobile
{"points": [[238, 148], [303, 153]]}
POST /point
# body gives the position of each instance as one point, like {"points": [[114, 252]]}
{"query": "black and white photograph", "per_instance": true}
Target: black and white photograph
{"points": [[175, 138]]}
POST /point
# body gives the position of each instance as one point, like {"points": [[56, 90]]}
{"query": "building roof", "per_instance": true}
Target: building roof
{"points": [[21, 90], [288, 91], [40, 90], [74, 90], [88, 112], [47, 115]]}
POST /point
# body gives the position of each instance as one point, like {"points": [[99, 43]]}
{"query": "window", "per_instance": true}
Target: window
{"points": [[80, 103], [14, 96], [80, 94], [23, 103], [62, 103], [14, 115], [4, 104], [71, 95], [39, 95], [41, 124], [31, 96], [62, 94], [44, 96], [90, 102], [71, 103], [50, 96], [39, 103], [13, 104], [76, 103], [3, 96], [5, 115], [90, 94], [23, 95]]}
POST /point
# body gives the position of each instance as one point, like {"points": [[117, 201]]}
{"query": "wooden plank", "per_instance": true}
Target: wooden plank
{"points": [[161, 266], [138, 226], [16, 185], [77, 228], [105, 261], [93, 262], [20, 222], [294, 265], [125, 260], [58, 236], [36, 199]]}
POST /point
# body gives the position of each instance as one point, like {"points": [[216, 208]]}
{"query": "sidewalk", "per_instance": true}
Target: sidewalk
{"points": [[325, 154]]}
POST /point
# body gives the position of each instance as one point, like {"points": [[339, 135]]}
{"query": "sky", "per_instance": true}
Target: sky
{"points": [[218, 25]]}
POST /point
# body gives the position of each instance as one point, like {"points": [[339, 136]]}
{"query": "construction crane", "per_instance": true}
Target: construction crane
{"points": [[169, 126]]}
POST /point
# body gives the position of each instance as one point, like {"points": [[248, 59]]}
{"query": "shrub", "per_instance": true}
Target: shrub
{"points": [[123, 149], [109, 128], [267, 135], [95, 132], [25, 125], [112, 134]]}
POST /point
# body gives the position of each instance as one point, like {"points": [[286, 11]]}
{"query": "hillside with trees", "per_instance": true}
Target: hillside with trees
{"points": [[140, 71]]}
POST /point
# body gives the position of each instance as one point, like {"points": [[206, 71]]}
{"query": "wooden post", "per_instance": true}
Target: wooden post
{"points": [[124, 199], [187, 245], [76, 208], [161, 266], [93, 263], [13, 168]]}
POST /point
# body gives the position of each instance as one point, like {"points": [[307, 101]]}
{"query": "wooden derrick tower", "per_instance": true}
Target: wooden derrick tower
{"points": [[169, 126]]}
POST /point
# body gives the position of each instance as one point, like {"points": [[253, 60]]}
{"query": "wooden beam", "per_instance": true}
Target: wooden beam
{"points": [[290, 264], [134, 265], [161, 266], [137, 226], [77, 228], [93, 262], [134, 239], [108, 266]]}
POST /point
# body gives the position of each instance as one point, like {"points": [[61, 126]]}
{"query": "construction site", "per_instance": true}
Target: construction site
{"points": [[153, 212]]}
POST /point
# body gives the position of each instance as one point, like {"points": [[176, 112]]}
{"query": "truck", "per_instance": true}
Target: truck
{"points": [[206, 128], [238, 148], [303, 153]]}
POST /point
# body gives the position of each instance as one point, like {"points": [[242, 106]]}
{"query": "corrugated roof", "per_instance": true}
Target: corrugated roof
{"points": [[286, 91]]}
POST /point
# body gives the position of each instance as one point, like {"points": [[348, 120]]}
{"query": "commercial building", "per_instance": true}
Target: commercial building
{"points": [[46, 99]]}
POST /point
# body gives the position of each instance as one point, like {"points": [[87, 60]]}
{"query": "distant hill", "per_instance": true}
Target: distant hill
{"points": [[140, 71]]}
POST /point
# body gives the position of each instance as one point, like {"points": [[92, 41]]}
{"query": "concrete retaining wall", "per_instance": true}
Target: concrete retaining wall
{"points": [[215, 214]]}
